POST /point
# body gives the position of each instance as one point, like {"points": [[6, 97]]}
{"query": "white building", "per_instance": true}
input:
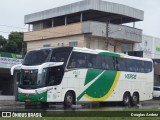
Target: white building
{"points": [[150, 47]]}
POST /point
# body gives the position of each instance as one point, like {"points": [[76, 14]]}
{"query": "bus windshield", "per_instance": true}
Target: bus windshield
{"points": [[29, 77], [37, 57]]}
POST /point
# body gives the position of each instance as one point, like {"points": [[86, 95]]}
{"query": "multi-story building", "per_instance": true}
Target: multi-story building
{"points": [[150, 48], [93, 24]]}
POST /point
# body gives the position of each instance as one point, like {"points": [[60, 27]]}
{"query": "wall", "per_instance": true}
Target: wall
{"points": [[121, 32], [54, 42], [99, 43], [150, 46], [156, 48], [60, 31]]}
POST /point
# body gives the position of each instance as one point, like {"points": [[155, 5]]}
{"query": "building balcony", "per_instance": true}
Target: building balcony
{"points": [[117, 32]]}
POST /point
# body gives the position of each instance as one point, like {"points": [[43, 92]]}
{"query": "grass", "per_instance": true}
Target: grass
{"points": [[82, 118]]}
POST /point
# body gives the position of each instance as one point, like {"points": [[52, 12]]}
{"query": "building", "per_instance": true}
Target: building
{"points": [[94, 24], [150, 48], [7, 83]]}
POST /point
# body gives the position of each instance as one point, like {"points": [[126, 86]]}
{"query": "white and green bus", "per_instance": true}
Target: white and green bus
{"points": [[70, 74]]}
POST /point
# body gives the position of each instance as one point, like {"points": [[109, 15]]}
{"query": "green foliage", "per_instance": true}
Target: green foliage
{"points": [[3, 42], [14, 44], [11, 47]]}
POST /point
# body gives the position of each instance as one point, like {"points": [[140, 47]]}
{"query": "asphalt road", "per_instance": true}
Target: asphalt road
{"points": [[19, 106]]}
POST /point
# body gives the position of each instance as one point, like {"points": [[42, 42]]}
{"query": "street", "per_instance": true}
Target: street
{"points": [[20, 106]]}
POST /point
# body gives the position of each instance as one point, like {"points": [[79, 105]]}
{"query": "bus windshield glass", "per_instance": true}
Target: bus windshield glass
{"points": [[37, 57], [29, 77]]}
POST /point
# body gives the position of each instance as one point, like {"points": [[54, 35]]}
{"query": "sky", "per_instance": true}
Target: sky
{"points": [[12, 13]]}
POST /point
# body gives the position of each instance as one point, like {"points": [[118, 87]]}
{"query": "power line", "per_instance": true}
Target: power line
{"points": [[13, 27], [44, 30], [72, 39], [56, 33]]}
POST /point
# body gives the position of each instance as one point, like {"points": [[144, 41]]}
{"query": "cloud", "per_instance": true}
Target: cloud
{"points": [[13, 11]]}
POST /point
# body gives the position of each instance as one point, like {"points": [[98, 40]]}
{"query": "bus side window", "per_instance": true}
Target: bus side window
{"points": [[148, 66], [121, 64], [60, 55], [55, 75], [72, 61], [107, 63], [91, 61], [134, 65], [81, 60], [140, 66], [98, 62], [77, 60]]}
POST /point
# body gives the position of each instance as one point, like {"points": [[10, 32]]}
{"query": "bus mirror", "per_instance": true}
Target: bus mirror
{"points": [[13, 68]]}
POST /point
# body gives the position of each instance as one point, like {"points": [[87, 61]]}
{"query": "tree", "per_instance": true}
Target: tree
{"points": [[15, 43], [3, 42], [11, 47]]}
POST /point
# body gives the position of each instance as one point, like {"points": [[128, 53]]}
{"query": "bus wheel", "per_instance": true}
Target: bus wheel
{"points": [[135, 99], [126, 99], [69, 99]]}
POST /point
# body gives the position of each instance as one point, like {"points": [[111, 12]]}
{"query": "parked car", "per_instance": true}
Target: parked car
{"points": [[156, 91]]}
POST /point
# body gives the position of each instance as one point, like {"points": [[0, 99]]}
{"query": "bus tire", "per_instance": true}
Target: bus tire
{"points": [[69, 99], [135, 99], [126, 99]]}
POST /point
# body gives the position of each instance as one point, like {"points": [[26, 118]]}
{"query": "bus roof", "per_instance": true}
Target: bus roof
{"points": [[97, 51]]}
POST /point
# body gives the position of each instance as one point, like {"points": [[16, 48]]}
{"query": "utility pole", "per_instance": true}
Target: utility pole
{"points": [[107, 33]]}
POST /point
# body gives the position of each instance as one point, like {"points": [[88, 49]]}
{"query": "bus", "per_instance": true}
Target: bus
{"points": [[70, 74]]}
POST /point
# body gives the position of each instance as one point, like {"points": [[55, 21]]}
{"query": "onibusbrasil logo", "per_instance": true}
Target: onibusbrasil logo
{"points": [[20, 114]]}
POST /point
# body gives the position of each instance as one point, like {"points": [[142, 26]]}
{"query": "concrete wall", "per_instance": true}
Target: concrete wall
{"points": [[97, 43], [57, 41], [98, 29], [60, 31], [82, 40], [85, 5], [115, 31], [100, 43]]}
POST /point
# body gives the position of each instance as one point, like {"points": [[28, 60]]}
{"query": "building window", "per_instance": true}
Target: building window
{"points": [[96, 44], [73, 44], [60, 44], [47, 45], [47, 24]]}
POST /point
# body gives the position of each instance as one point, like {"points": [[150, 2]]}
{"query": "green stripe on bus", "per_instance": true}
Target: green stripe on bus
{"points": [[92, 74], [109, 54]]}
